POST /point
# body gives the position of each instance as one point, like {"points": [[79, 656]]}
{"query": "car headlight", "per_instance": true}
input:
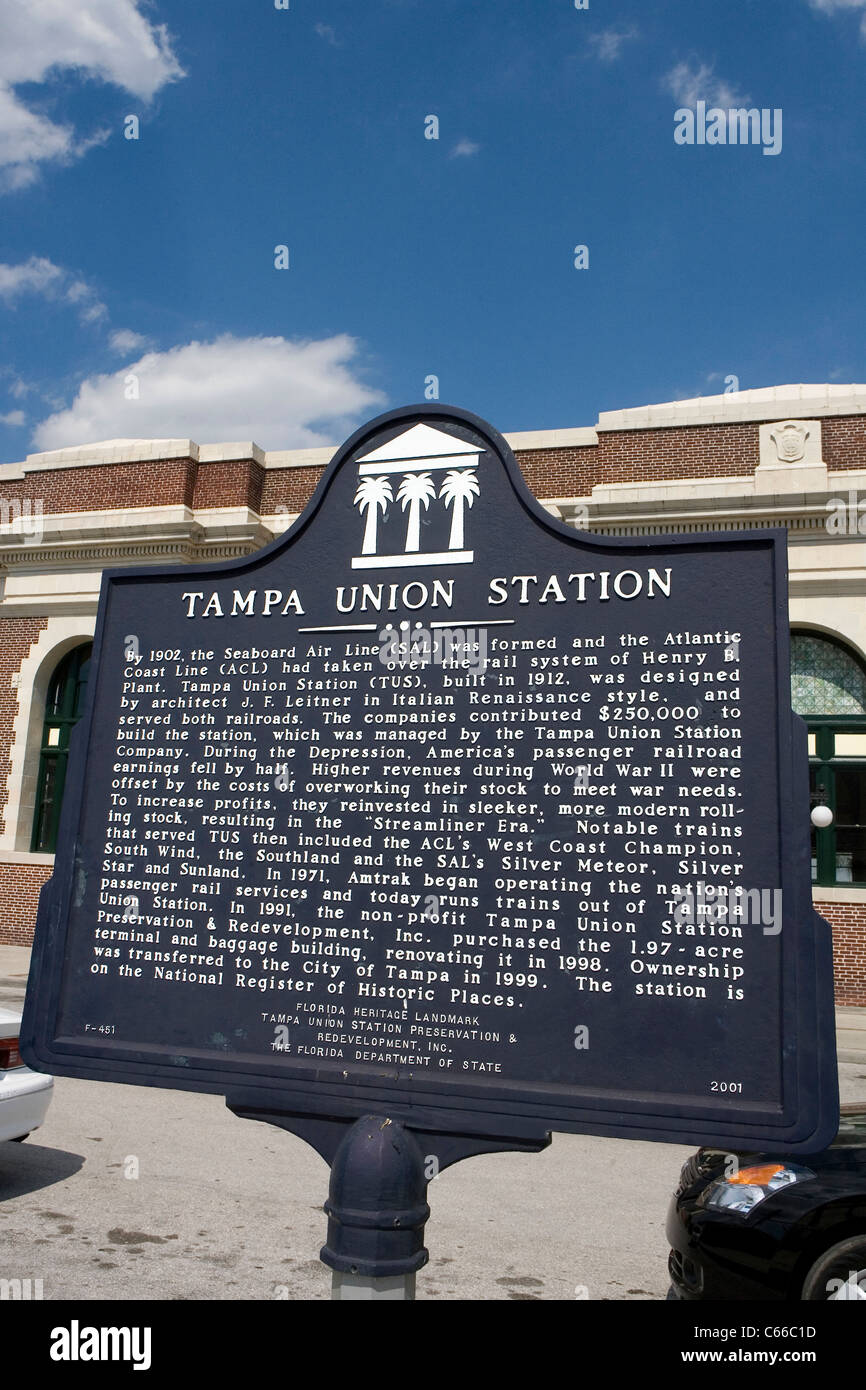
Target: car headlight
{"points": [[743, 1190]]}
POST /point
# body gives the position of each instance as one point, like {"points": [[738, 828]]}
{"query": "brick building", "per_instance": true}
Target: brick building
{"points": [[791, 456]]}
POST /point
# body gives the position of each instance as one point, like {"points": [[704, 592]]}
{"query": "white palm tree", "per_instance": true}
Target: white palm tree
{"points": [[416, 491], [373, 496], [458, 490]]}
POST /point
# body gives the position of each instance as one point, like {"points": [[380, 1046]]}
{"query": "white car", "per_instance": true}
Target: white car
{"points": [[24, 1094]]}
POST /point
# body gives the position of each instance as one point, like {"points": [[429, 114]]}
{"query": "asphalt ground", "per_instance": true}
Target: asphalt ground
{"points": [[131, 1192]]}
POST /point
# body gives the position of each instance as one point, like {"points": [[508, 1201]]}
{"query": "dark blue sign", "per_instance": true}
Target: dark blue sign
{"points": [[437, 805]]}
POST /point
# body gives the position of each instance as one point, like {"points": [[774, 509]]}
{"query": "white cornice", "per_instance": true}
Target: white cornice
{"points": [[299, 458], [109, 451], [770, 403], [695, 505], [580, 438], [230, 453], [763, 403], [135, 535]]}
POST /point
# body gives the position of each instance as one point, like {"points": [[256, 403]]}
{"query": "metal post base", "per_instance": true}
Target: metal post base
{"points": [[380, 1168], [376, 1208], [358, 1288]]}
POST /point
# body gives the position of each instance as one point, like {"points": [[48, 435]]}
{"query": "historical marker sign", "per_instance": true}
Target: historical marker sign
{"points": [[435, 804]]}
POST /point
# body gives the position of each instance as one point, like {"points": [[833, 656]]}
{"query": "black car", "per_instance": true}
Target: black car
{"points": [[763, 1226]]}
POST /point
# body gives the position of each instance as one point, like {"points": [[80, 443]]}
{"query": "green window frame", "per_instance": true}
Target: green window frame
{"points": [[838, 781], [829, 691], [64, 705]]}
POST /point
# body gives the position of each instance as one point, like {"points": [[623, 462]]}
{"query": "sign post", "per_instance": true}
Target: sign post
{"points": [[435, 826]]}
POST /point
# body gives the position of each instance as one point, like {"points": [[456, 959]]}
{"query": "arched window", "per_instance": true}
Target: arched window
{"points": [[63, 708], [828, 689]]}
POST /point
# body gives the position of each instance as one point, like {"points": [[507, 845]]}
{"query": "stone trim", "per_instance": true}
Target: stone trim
{"points": [[59, 637], [580, 438], [838, 895], [299, 458], [768, 403], [7, 856], [111, 451]]}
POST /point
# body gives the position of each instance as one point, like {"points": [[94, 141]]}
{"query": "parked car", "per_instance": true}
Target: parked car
{"points": [[24, 1094], [766, 1227]]}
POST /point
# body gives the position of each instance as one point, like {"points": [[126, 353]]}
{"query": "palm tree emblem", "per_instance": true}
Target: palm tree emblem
{"points": [[416, 490], [373, 496], [458, 490]]}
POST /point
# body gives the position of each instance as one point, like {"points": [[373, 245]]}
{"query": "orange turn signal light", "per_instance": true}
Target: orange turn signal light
{"points": [[758, 1176]]}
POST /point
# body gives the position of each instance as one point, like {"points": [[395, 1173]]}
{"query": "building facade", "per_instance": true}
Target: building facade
{"points": [[792, 457]]}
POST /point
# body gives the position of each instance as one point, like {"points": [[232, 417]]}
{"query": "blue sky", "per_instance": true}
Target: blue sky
{"points": [[138, 289]]}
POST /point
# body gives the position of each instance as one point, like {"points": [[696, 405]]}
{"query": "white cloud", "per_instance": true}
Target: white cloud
{"points": [[77, 291], [125, 341], [328, 33], [37, 275], [26, 140], [106, 39], [280, 393], [609, 42], [689, 83], [835, 6], [109, 39], [464, 149], [14, 417], [40, 276]]}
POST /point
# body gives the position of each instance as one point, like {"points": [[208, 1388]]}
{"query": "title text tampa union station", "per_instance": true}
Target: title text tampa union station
{"points": [[789, 456]]}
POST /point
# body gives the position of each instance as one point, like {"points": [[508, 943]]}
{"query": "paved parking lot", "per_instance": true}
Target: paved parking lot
{"points": [[224, 1208], [129, 1192]]}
